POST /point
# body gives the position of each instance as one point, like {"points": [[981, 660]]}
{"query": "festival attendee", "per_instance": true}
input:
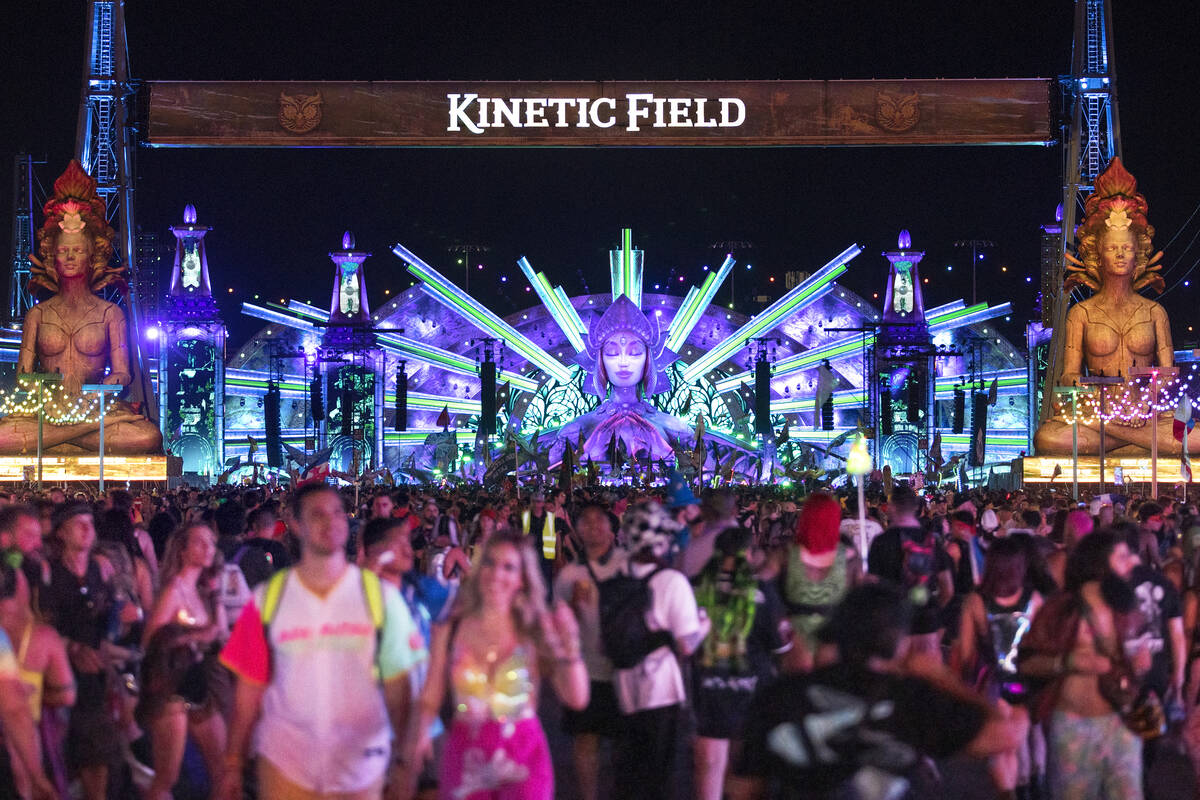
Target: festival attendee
{"points": [[864, 723], [994, 619], [502, 640], [322, 655], [389, 553], [43, 671], [78, 602], [19, 732], [717, 512], [21, 529], [1078, 641], [545, 532], [908, 556], [1159, 629], [262, 554], [1076, 524], [181, 641], [819, 572], [652, 693], [749, 630], [576, 584], [382, 506]]}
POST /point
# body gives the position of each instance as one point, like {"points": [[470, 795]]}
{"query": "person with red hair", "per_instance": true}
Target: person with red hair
{"points": [[818, 573]]}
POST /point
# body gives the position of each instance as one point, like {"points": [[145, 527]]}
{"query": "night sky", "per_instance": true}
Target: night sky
{"points": [[277, 213]]}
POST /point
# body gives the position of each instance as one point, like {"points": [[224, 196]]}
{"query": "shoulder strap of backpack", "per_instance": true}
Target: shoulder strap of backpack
{"points": [[373, 594], [272, 596]]}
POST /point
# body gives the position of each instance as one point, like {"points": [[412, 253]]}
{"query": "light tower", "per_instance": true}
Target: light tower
{"points": [[19, 298], [103, 146], [355, 387], [1093, 139], [191, 364]]}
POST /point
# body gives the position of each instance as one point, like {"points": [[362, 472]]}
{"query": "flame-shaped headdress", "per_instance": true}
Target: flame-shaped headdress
{"points": [[1114, 204], [75, 207], [624, 315]]}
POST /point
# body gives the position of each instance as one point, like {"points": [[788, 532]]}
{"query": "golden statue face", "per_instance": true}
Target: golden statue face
{"points": [[72, 255], [624, 359], [1117, 252]]}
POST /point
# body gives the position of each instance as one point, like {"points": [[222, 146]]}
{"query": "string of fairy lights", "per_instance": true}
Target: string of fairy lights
{"points": [[58, 406], [1133, 402]]}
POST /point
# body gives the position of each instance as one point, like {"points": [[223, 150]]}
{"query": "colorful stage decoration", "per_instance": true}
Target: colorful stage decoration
{"points": [[75, 335], [1117, 332], [675, 388], [191, 359]]}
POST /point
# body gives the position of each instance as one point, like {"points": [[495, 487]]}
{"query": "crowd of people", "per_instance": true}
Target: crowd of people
{"points": [[467, 644]]}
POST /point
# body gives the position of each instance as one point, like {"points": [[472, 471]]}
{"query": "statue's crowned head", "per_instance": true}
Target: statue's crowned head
{"points": [[75, 234], [1115, 236], [627, 350]]}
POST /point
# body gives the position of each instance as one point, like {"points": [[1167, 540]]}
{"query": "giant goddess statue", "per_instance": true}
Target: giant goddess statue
{"points": [[1116, 329], [75, 333], [627, 352]]}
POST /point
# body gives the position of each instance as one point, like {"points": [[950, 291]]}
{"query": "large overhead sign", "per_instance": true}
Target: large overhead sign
{"points": [[599, 114]]}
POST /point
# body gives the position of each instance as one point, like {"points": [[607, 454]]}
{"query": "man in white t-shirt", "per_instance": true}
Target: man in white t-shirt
{"points": [[322, 654], [576, 586], [652, 694]]}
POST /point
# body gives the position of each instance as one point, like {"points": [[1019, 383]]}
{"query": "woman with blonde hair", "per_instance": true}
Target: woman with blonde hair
{"points": [[502, 639], [181, 641]]}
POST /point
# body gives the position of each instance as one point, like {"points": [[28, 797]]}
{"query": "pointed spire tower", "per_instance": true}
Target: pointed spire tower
{"points": [[903, 305], [355, 383], [190, 293], [349, 312], [191, 362]]}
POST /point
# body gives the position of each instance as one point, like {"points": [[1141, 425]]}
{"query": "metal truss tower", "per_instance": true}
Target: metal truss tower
{"points": [[1091, 141], [19, 298], [104, 146]]}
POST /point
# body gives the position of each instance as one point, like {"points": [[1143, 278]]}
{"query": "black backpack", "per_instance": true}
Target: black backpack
{"points": [[624, 634]]}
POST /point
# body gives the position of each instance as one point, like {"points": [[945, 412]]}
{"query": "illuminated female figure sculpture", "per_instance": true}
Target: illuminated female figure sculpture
{"points": [[627, 349], [1116, 329], [75, 333]]}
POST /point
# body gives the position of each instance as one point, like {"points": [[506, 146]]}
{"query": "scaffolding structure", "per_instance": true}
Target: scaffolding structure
{"points": [[1091, 141]]}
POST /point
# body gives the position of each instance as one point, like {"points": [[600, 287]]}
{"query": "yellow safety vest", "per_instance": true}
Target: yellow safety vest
{"points": [[549, 536]]}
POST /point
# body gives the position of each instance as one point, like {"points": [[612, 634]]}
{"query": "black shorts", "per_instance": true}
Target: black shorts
{"points": [[721, 703], [601, 717]]}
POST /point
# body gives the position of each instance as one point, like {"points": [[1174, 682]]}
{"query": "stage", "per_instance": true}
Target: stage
{"points": [[1131, 469], [18, 469]]}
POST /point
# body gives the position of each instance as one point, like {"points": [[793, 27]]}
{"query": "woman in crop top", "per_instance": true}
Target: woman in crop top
{"points": [[501, 640], [42, 664]]}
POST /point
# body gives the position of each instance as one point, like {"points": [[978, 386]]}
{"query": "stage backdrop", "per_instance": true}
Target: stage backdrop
{"points": [[600, 114]]}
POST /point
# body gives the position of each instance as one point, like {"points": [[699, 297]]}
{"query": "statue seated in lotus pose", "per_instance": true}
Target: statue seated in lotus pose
{"points": [[76, 334], [1116, 329], [626, 347]]}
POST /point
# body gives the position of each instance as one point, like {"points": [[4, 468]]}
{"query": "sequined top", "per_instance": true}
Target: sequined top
{"points": [[493, 689]]}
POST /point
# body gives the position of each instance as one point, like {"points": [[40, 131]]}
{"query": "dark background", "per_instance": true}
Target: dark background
{"points": [[277, 213]]}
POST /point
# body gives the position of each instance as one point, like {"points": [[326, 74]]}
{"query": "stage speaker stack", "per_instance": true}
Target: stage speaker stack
{"points": [[273, 426], [316, 405], [959, 414], [487, 397], [401, 399], [885, 411], [979, 415], [916, 397], [762, 396], [347, 404], [827, 414]]}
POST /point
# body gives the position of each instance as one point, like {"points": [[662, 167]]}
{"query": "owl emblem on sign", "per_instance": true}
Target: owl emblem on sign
{"points": [[299, 113], [897, 113]]}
